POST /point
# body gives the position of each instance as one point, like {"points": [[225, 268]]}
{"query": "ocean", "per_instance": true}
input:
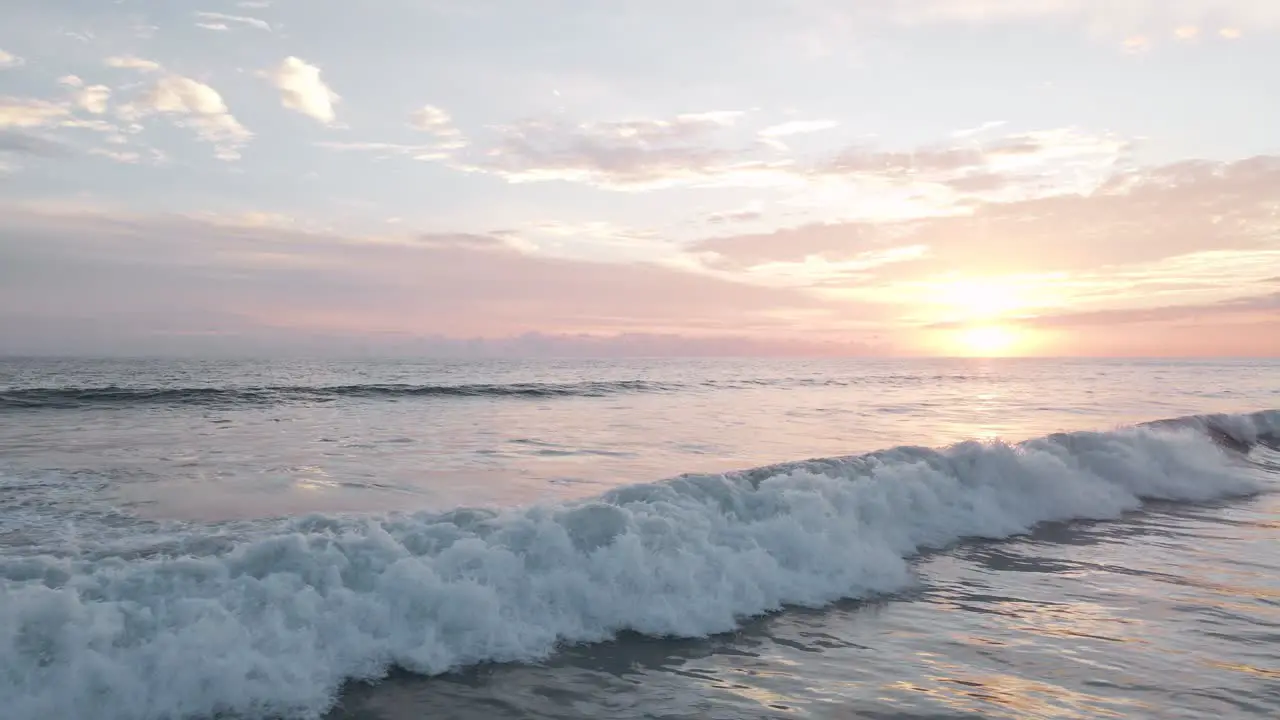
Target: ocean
{"points": [[385, 540]]}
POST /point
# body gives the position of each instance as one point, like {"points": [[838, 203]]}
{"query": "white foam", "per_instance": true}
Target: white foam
{"points": [[273, 626]]}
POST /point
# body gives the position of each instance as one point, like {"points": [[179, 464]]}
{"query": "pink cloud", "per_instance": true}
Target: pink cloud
{"points": [[1137, 216], [150, 272]]}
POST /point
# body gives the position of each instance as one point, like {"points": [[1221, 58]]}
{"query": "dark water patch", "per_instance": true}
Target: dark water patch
{"points": [[88, 397]]}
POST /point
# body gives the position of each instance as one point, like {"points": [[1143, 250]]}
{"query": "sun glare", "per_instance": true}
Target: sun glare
{"points": [[988, 341]]}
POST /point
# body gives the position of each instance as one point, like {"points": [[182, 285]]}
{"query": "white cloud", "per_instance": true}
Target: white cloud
{"points": [[220, 19], [127, 62], [92, 99], [750, 213], [177, 94], [978, 130], [1065, 158], [628, 154], [797, 127], [122, 156], [301, 89], [213, 26], [9, 60], [100, 126], [202, 109], [29, 112], [437, 122], [818, 269], [430, 118]]}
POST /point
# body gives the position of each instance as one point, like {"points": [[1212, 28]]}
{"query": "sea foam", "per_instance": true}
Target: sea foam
{"points": [[272, 625]]}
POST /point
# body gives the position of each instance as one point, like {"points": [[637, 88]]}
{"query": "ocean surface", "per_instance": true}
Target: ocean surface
{"points": [[639, 539]]}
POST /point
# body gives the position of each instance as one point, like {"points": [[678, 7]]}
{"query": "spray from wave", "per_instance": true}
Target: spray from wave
{"points": [[274, 624]]}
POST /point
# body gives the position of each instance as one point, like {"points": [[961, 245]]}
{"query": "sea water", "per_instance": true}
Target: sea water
{"points": [[648, 539]]}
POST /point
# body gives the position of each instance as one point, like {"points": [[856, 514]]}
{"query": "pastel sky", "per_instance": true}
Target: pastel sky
{"points": [[897, 177]]}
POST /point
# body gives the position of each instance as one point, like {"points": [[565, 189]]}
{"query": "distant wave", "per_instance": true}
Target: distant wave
{"points": [[78, 397], [70, 398], [273, 623]]}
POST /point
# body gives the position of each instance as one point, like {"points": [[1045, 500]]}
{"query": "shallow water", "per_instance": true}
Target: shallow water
{"points": [[1166, 604]]}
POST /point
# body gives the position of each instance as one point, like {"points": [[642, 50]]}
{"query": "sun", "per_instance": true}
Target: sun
{"points": [[988, 341]]}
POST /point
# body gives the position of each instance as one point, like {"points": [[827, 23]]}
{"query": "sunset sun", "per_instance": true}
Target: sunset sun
{"points": [[988, 341]]}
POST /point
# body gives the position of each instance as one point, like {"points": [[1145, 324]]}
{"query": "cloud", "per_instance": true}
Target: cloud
{"points": [[1187, 32], [815, 270], [215, 20], [1033, 163], [1264, 305], [436, 122], [198, 106], [979, 130], [9, 60], [29, 112], [217, 27], [122, 156], [1146, 231], [92, 99], [746, 214], [789, 245], [430, 119], [940, 161], [1246, 326], [58, 266], [688, 151], [301, 89], [625, 155], [797, 127], [126, 62], [979, 183], [1231, 33]]}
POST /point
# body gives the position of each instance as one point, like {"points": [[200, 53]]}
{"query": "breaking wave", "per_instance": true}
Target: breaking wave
{"points": [[273, 622]]}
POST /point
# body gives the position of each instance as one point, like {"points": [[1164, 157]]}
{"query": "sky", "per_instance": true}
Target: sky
{"points": [[640, 177]]}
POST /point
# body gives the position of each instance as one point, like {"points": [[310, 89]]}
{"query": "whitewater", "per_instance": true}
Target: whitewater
{"points": [[110, 610]]}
